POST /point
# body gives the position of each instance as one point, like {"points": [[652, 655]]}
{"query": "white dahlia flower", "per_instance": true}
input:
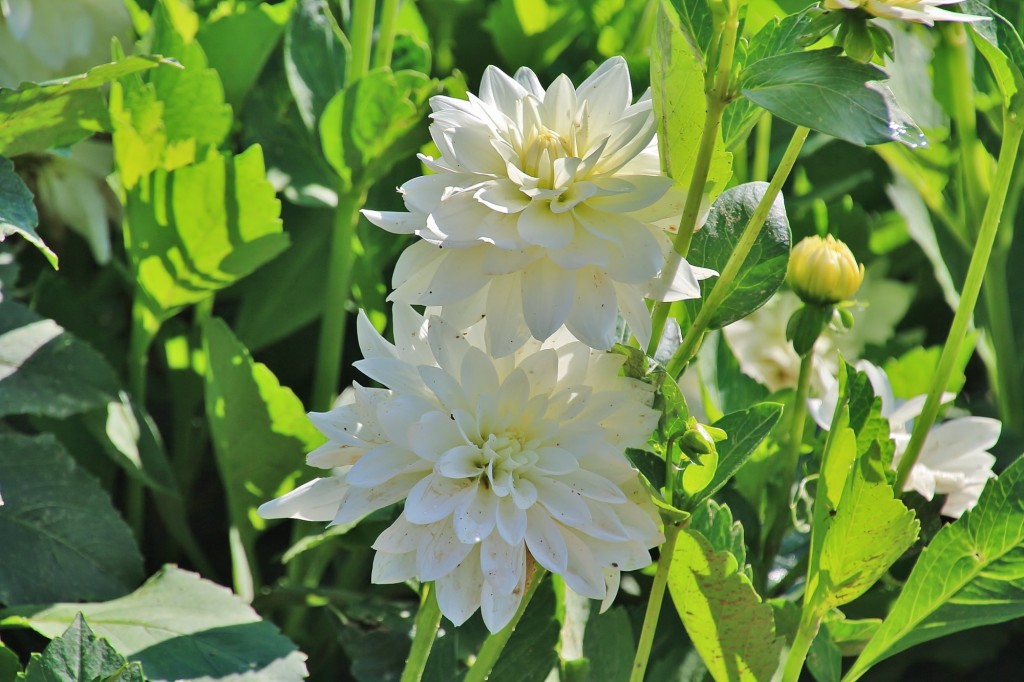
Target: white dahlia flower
{"points": [[545, 208], [500, 463], [917, 11], [954, 460]]}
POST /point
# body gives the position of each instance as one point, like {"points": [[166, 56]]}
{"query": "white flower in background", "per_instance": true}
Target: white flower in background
{"points": [[498, 461], [918, 11], [544, 209], [954, 460], [759, 343], [40, 41]]}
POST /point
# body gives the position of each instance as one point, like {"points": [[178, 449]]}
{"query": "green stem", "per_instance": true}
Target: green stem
{"points": [[999, 321], [810, 622], [360, 37], [495, 643], [643, 647], [385, 34], [427, 620], [964, 115], [796, 428], [732, 267], [762, 148], [1013, 129], [718, 96], [145, 326], [339, 277], [242, 578]]}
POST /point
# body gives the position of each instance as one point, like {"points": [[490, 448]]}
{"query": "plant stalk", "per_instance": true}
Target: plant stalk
{"points": [[385, 34], [762, 148], [732, 267], [810, 622], [796, 428], [495, 643], [1013, 129], [360, 37], [427, 619], [643, 650]]}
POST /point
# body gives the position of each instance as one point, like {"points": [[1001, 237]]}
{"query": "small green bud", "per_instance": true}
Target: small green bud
{"points": [[857, 43], [845, 318], [824, 271], [806, 325]]}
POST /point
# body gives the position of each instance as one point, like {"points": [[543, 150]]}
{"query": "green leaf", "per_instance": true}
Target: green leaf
{"points": [[715, 522], [373, 122], [746, 430], [77, 655], [58, 113], [764, 269], [694, 19], [69, 541], [260, 430], [911, 373], [723, 615], [609, 645], [534, 31], [968, 576], [46, 371], [315, 59], [239, 40], [1000, 44], [200, 228], [530, 654], [825, 91], [18, 213], [677, 84], [180, 627], [10, 665], [824, 659]]}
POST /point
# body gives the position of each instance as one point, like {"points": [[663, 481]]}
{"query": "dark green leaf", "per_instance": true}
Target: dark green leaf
{"points": [[46, 371], [10, 665], [78, 655], [746, 430], [58, 113], [1000, 44], [968, 576], [18, 213], [609, 645], [825, 91], [764, 269], [315, 59], [180, 627], [530, 654], [69, 541], [825, 660]]}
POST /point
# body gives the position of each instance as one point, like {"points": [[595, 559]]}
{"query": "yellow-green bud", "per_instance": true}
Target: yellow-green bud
{"points": [[824, 270]]}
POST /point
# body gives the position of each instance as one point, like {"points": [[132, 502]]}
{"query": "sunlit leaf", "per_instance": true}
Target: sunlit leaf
{"points": [[78, 654]]}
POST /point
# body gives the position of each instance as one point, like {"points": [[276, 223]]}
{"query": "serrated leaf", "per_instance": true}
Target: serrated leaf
{"points": [[69, 541], [45, 371], [77, 655], [746, 430], [825, 91], [180, 627], [200, 228], [260, 430], [315, 59], [18, 213], [723, 615], [764, 269], [677, 84], [58, 113], [968, 576], [715, 522]]}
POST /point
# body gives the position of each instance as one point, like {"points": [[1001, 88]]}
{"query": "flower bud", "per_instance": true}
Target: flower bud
{"points": [[824, 271]]}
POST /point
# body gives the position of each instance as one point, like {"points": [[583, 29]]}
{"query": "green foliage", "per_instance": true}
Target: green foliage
{"points": [[715, 522], [180, 627], [764, 269], [608, 644], [530, 652], [70, 542], [825, 91], [724, 617], [534, 31], [78, 655], [315, 59], [999, 42], [968, 576], [18, 214], [746, 429]]}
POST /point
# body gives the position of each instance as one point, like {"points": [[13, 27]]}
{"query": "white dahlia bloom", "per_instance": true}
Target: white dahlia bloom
{"points": [[917, 11], [500, 462], [954, 460], [542, 210]]}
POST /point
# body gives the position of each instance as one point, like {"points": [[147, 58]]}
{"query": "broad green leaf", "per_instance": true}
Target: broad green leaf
{"points": [[698, 475], [373, 122], [609, 645], [968, 576], [746, 430], [911, 373], [694, 19], [45, 371], [180, 627], [830, 93], [315, 59], [824, 659], [1000, 44], [200, 228], [764, 269], [534, 31], [260, 430], [715, 522], [59, 523], [723, 615], [77, 655], [10, 665], [18, 213], [238, 39], [530, 654], [677, 84], [58, 113]]}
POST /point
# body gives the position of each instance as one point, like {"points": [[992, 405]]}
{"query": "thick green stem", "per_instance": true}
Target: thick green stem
{"points": [[1013, 128], [385, 34], [145, 326], [806, 632], [796, 427], [495, 643], [762, 148], [964, 115], [732, 267], [360, 38], [427, 620], [643, 650], [339, 278]]}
